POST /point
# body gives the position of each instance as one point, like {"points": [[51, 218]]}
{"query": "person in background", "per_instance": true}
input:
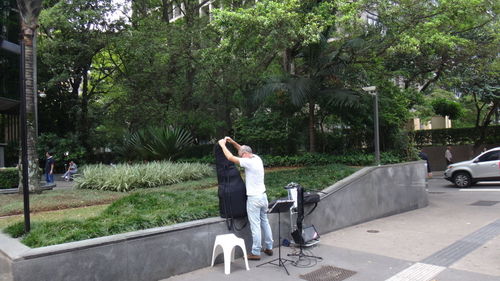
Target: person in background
{"points": [[72, 169], [257, 202], [422, 155], [448, 156], [49, 168]]}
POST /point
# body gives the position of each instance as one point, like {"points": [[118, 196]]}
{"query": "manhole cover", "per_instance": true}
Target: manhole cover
{"points": [[328, 273], [484, 203], [372, 231]]}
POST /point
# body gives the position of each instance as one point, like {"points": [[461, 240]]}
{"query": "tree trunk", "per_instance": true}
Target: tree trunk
{"points": [[29, 80], [312, 128], [84, 120], [287, 60]]}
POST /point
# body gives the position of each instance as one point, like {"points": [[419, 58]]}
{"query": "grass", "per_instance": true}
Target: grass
{"points": [[172, 204], [74, 213], [12, 204]]}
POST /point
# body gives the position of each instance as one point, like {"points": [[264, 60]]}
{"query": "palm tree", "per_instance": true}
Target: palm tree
{"points": [[316, 81], [29, 11]]}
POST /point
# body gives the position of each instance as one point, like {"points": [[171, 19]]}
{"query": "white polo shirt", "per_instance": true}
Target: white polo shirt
{"points": [[254, 175]]}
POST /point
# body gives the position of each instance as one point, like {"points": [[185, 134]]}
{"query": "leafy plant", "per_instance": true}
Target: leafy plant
{"points": [[445, 107], [156, 143], [9, 178], [314, 159], [125, 177]]}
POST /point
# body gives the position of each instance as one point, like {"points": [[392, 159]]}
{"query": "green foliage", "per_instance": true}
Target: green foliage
{"points": [[58, 146], [124, 177], [156, 143], [12, 154], [16, 230], [454, 136], [154, 208], [197, 150], [266, 131], [313, 159], [103, 77], [9, 178], [445, 107], [311, 178]]}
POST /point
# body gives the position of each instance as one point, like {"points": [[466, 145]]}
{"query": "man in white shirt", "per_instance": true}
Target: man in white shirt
{"points": [[256, 196], [448, 156]]}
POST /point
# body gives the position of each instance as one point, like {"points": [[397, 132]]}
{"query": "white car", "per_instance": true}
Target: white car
{"points": [[485, 167]]}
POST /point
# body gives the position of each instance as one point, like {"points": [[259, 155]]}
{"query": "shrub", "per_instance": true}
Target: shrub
{"points": [[312, 159], [309, 159], [454, 136], [124, 177], [9, 178], [156, 143]]}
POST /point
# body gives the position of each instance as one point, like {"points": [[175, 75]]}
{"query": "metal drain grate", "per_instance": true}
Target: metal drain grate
{"points": [[436, 192], [484, 203], [328, 273]]}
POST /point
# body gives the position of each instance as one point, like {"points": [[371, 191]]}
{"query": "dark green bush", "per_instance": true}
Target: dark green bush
{"points": [[454, 136], [197, 151], [313, 159], [9, 178]]}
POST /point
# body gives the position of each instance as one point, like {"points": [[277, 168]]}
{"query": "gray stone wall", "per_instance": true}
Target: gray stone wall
{"points": [[158, 253]]}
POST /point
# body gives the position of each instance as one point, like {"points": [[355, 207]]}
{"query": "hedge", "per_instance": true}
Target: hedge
{"points": [[310, 159], [9, 178], [454, 136]]}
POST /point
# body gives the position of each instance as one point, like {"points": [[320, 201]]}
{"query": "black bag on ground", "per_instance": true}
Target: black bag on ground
{"points": [[232, 190]]}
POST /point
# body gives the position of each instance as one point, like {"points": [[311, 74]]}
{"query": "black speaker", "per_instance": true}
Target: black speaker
{"points": [[308, 233]]}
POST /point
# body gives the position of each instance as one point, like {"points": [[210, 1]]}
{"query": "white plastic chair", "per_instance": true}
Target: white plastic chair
{"points": [[228, 242]]}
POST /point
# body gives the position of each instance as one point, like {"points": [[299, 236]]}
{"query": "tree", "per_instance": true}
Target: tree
{"points": [[318, 79], [445, 107], [257, 36], [29, 11], [74, 38], [424, 40]]}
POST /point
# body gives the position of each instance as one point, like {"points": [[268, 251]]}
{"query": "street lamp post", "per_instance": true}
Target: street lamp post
{"points": [[372, 90]]}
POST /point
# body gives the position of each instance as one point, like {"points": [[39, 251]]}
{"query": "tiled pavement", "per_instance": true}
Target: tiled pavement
{"points": [[455, 238]]}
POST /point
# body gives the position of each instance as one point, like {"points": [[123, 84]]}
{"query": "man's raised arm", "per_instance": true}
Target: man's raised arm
{"points": [[234, 143], [228, 153]]}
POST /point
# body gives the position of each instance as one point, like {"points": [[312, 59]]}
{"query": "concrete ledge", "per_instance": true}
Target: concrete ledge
{"points": [[159, 253]]}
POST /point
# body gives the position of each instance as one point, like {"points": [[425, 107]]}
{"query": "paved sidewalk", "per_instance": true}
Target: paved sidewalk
{"points": [[455, 238]]}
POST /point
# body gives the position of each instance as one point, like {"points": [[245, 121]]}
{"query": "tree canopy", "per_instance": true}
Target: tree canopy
{"points": [[233, 67]]}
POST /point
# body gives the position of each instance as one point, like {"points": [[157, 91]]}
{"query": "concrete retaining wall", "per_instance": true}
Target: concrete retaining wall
{"points": [[158, 253], [460, 153]]}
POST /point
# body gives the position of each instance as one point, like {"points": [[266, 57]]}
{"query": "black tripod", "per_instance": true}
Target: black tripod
{"points": [[298, 235], [279, 207]]}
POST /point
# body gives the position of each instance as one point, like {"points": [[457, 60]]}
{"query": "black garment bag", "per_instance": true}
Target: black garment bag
{"points": [[232, 190]]}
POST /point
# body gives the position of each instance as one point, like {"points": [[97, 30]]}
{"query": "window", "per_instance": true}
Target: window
{"points": [[490, 156]]}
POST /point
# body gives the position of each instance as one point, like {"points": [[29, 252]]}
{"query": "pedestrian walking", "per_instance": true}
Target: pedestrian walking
{"points": [[448, 156]]}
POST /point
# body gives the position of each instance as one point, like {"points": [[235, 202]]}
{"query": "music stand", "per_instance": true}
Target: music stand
{"points": [[279, 207]]}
